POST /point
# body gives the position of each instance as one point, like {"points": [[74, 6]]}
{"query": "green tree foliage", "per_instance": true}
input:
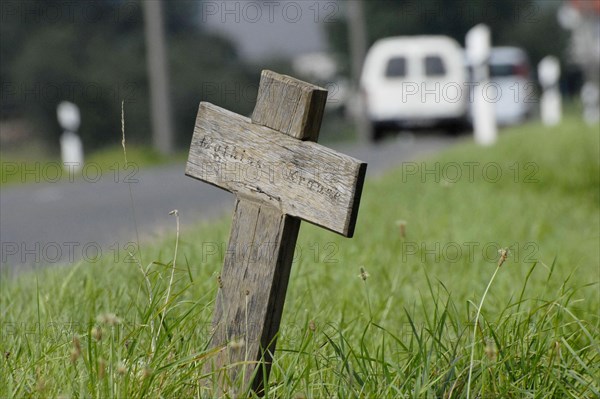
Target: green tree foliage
{"points": [[93, 54], [524, 23]]}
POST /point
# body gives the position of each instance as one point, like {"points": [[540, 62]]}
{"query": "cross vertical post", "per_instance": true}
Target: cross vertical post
{"points": [[272, 165]]}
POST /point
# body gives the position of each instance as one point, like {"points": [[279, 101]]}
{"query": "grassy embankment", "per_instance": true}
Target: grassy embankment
{"points": [[408, 330]]}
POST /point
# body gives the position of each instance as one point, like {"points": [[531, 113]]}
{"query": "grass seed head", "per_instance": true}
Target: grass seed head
{"points": [[490, 350], [76, 350], [108, 318], [97, 333], [237, 344], [364, 275], [40, 385], [503, 255], [101, 368], [401, 227], [171, 356], [147, 372], [121, 368], [555, 354]]}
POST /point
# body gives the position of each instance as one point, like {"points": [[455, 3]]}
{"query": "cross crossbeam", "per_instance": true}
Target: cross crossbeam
{"points": [[279, 176]]}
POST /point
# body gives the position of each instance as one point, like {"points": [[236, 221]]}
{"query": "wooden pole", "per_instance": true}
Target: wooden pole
{"points": [[160, 105], [357, 33]]}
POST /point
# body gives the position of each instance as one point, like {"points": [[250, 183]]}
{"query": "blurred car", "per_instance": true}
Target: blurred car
{"points": [[510, 86], [511, 72], [414, 81]]}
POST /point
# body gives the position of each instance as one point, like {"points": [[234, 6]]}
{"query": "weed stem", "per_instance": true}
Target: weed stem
{"points": [[475, 328]]}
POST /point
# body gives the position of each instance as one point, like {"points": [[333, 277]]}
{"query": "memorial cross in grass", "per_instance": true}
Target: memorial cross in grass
{"points": [[279, 175]]}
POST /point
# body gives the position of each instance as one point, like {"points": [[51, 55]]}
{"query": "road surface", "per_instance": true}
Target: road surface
{"points": [[48, 223]]}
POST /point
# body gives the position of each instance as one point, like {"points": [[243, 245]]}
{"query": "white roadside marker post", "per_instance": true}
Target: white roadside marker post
{"points": [[71, 147], [478, 49], [551, 101]]}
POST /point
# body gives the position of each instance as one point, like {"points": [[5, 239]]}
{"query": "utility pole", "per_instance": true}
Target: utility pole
{"points": [[357, 32], [160, 104]]}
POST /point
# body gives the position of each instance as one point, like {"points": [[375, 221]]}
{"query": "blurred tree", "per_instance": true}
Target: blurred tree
{"points": [[93, 54], [531, 24]]}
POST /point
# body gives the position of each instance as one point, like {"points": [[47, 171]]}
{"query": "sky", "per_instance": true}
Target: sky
{"points": [[271, 29]]}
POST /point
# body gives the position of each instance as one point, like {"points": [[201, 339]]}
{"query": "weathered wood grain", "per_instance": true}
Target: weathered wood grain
{"points": [[301, 179], [289, 105], [250, 300], [278, 180]]}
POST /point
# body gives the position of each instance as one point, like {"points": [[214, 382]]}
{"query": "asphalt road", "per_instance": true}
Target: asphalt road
{"points": [[49, 223]]}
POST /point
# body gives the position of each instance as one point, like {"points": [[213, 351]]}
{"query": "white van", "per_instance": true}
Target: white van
{"points": [[415, 81]]}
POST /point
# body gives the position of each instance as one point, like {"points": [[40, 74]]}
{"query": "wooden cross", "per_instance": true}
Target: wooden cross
{"points": [[279, 175]]}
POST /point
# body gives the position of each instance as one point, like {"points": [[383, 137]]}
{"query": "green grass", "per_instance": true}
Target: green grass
{"points": [[407, 330], [35, 167]]}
